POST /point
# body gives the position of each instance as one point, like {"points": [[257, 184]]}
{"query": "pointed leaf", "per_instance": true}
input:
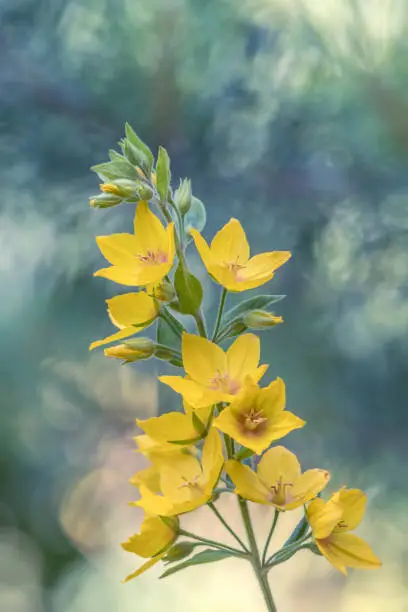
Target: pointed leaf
{"points": [[206, 556], [189, 290], [166, 334], [134, 139]]}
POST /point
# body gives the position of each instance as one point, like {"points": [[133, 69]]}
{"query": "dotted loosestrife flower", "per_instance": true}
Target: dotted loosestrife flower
{"points": [[154, 540], [212, 374], [257, 416], [130, 313], [228, 259], [187, 484], [278, 480], [176, 426], [142, 258], [332, 520]]}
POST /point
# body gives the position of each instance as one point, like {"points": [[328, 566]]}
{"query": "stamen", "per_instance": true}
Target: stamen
{"points": [[153, 257]]}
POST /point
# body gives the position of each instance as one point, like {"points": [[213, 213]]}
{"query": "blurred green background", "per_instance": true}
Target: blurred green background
{"points": [[290, 115]]}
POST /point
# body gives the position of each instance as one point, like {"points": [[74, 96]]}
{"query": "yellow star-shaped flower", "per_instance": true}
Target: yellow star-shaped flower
{"points": [[278, 481], [142, 258], [178, 427], [154, 540], [212, 374], [228, 259], [331, 523], [257, 416], [130, 313], [187, 484]]}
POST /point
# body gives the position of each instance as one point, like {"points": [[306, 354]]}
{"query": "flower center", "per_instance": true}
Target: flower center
{"points": [[193, 484], [236, 269], [153, 258], [253, 421], [223, 382], [280, 494]]}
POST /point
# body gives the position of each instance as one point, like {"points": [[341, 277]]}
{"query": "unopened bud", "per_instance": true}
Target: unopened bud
{"points": [[164, 291], [180, 551], [260, 319], [132, 350], [120, 187], [104, 200], [145, 193], [136, 156], [183, 197]]}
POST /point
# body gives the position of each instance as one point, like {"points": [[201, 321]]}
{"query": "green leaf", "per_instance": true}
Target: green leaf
{"points": [[244, 453], [119, 168], [298, 532], [254, 303], [114, 155], [134, 140], [196, 217], [180, 550], [186, 441], [198, 424], [206, 556], [163, 174], [166, 334], [189, 290]]}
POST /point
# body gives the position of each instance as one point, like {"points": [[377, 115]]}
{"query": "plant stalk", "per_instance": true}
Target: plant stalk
{"points": [[219, 315], [255, 558]]}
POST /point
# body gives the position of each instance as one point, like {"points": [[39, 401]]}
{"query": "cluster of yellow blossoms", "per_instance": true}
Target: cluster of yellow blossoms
{"points": [[221, 441]]}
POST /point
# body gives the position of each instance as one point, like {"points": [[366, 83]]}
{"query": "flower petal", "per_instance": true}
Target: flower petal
{"points": [[131, 309], [247, 482], [272, 399], [202, 359], [282, 424], [309, 484], [150, 563], [118, 249], [243, 357], [150, 235], [168, 427], [152, 503], [265, 264], [203, 249], [323, 517], [353, 551], [192, 392], [154, 536], [353, 503], [277, 464], [120, 335], [230, 244], [212, 459]]}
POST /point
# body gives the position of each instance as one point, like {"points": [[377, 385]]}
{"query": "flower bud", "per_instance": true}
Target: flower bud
{"points": [[132, 350], [183, 197], [145, 193], [179, 551], [260, 319], [104, 200], [163, 291], [121, 187]]}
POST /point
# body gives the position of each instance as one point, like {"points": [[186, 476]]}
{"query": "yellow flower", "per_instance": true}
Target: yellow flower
{"points": [[157, 450], [187, 484], [212, 374], [130, 313], [257, 416], [176, 426], [142, 258], [228, 260], [154, 540], [331, 521], [278, 481]]}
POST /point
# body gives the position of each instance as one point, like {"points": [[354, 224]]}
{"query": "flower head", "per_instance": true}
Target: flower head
{"points": [[154, 539], [228, 259], [133, 350], [331, 523], [142, 258], [212, 374], [278, 480], [186, 484], [130, 313], [257, 416]]}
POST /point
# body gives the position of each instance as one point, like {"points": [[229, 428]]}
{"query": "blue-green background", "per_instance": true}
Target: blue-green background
{"points": [[291, 116]]}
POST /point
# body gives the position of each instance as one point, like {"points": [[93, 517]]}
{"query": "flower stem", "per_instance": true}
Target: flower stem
{"points": [[227, 527], [219, 315], [255, 559], [286, 552], [268, 539], [218, 545], [200, 323]]}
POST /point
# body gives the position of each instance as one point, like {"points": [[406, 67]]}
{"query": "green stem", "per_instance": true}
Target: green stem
{"points": [[227, 527], [255, 559], [165, 316], [200, 323], [208, 542], [286, 552], [268, 539], [219, 315]]}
